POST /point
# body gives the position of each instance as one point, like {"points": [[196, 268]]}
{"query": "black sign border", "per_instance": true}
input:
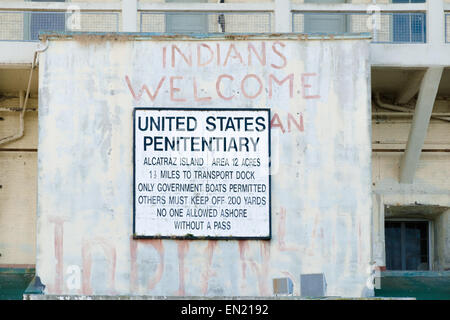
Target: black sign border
{"points": [[137, 237]]}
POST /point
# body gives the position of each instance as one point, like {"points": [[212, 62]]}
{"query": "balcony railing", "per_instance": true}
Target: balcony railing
{"points": [[395, 23], [206, 22], [386, 27]]}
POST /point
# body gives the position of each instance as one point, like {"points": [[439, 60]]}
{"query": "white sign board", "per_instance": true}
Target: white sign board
{"points": [[201, 173]]}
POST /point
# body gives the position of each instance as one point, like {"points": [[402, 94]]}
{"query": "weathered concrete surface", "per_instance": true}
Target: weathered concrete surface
{"points": [[321, 174], [427, 198]]}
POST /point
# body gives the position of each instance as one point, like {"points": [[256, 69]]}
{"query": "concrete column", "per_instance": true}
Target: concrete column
{"points": [[435, 22], [411, 88], [442, 256], [283, 16], [378, 244], [419, 126], [129, 15]]}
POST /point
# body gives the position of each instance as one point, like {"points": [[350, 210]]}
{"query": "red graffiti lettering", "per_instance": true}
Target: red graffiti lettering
{"points": [[276, 122], [306, 85], [199, 55], [235, 55], [278, 53], [144, 88], [173, 89], [244, 91], [110, 254], [260, 269], [187, 59], [196, 97], [280, 82], [219, 79], [183, 247], [298, 124], [261, 57], [158, 245], [164, 57], [209, 252], [58, 245]]}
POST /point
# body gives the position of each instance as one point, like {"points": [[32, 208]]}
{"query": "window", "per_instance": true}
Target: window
{"points": [[409, 27], [180, 22], [38, 22], [407, 245], [326, 23]]}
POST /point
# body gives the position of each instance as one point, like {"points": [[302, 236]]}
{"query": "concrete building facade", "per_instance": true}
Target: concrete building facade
{"points": [[409, 90]]}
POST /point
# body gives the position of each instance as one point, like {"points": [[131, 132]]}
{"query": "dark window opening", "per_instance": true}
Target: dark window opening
{"points": [[407, 245]]}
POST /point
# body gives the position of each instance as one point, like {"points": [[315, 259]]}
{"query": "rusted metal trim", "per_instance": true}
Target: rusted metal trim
{"points": [[136, 36]]}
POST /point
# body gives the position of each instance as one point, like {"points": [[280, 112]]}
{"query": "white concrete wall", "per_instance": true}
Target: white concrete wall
{"points": [[18, 192], [321, 202]]}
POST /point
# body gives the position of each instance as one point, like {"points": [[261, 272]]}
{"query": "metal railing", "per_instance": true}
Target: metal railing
{"points": [[24, 20], [26, 25], [386, 27], [206, 22]]}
